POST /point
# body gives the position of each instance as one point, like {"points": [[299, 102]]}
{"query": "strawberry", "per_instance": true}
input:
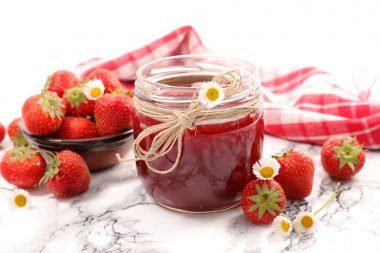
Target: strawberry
{"points": [[23, 167], [42, 114], [342, 157], [61, 80], [296, 174], [263, 200], [109, 79], [67, 175], [15, 134], [112, 114], [2, 132], [77, 104], [77, 128]]}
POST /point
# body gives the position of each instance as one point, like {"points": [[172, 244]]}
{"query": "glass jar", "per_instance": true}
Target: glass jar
{"points": [[217, 155]]}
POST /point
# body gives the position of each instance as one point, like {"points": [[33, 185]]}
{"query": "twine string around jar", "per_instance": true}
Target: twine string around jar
{"points": [[175, 123]]}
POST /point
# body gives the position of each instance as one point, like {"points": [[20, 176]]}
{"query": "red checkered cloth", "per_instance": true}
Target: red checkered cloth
{"points": [[302, 104]]}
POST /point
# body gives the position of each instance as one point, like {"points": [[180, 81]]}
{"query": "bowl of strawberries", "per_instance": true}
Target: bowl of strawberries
{"points": [[91, 116]]}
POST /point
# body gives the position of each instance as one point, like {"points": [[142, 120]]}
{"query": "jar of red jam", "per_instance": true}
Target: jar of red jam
{"points": [[217, 155]]}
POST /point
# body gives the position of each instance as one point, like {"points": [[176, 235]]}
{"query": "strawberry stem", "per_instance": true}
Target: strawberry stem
{"points": [[76, 96], [7, 189], [330, 200], [283, 154], [47, 83], [52, 168]]}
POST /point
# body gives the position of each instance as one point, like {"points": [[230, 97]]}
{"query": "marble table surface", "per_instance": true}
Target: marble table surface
{"points": [[116, 215]]}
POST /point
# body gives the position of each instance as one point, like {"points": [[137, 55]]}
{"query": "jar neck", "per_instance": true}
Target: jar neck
{"points": [[172, 82]]}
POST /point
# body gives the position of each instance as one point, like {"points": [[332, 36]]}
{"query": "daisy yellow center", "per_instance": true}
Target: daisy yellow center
{"points": [[307, 221], [95, 92], [20, 200], [267, 172], [212, 94], [285, 225]]}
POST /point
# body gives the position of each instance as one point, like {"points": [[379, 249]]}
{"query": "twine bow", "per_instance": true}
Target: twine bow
{"points": [[175, 123]]}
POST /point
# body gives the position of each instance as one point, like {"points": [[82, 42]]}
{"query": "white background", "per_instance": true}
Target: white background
{"points": [[39, 37]]}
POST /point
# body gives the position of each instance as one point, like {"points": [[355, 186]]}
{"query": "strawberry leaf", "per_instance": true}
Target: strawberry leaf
{"points": [[348, 153], [266, 200], [76, 96], [271, 211], [262, 210], [265, 187], [52, 169], [258, 189], [22, 152], [254, 207], [255, 198], [51, 103]]}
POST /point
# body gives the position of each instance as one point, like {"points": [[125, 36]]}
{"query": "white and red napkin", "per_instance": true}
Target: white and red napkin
{"points": [[302, 104]]}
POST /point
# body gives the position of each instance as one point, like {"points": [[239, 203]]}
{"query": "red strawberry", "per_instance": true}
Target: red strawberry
{"points": [[23, 167], [2, 132], [296, 174], [67, 175], [61, 80], [77, 128], [342, 157], [77, 103], [263, 200], [42, 114], [15, 134], [109, 79], [112, 114]]}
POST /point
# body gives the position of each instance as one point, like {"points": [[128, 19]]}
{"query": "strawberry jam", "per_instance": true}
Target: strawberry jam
{"points": [[215, 165], [217, 155]]}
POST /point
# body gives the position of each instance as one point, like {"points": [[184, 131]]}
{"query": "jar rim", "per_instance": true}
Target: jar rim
{"points": [[250, 79]]}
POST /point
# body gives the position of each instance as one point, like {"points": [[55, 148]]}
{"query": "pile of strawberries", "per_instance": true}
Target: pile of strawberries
{"points": [[67, 108], [265, 198]]}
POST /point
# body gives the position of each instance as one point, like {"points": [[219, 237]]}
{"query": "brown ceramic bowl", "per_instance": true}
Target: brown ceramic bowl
{"points": [[99, 153]]}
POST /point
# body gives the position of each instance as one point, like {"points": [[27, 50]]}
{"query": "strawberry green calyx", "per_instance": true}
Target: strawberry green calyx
{"points": [[348, 153], [52, 104], [283, 154], [128, 92], [22, 152], [266, 200], [52, 168], [76, 96], [19, 140]]}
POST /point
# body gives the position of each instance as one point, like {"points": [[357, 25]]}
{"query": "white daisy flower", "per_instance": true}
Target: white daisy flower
{"points": [[282, 226], [211, 94], [93, 89], [266, 168], [19, 199], [305, 223]]}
